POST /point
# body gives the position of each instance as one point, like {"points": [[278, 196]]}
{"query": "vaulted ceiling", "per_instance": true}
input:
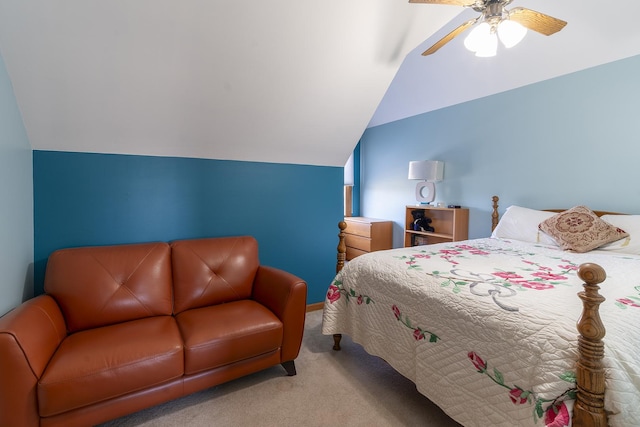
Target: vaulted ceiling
{"points": [[597, 32], [287, 81]]}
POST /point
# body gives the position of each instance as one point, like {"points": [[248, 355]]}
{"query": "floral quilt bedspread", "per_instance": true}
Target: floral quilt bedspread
{"points": [[486, 328]]}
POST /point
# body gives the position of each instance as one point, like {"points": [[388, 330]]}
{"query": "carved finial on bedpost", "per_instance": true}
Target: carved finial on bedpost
{"points": [[589, 406], [342, 246], [494, 215]]}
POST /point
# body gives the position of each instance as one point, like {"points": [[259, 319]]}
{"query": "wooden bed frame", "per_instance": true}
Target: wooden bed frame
{"points": [[588, 410]]}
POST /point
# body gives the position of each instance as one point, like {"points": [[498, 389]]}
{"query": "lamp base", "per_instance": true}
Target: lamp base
{"points": [[425, 187]]}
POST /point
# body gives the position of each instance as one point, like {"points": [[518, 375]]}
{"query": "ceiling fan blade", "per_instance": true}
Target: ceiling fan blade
{"points": [[536, 21], [465, 3], [446, 39]]}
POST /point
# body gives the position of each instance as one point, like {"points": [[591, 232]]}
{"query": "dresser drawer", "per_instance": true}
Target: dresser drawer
{"points": [[364, 235], [359, 228], [353, 252], [358, 242]]}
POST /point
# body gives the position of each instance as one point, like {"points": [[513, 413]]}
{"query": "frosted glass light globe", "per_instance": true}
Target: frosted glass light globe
{"points": [[511, 33], [476, 38], [489, 46]]}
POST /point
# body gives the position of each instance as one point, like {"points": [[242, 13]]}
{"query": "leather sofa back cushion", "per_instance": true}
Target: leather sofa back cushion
{"points": [[98, 286], [213, 271]]}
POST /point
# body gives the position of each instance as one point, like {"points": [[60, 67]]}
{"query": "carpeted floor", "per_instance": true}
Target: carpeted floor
{"points": [[345, 388]]}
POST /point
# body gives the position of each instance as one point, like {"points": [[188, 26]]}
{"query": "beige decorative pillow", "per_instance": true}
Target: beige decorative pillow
{"points": [[579, 229]]}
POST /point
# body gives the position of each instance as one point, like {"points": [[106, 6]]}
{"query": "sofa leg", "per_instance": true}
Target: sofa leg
{"points": [[290, 367]]}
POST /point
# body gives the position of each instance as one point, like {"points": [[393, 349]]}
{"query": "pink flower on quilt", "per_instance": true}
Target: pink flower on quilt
{"points": [[449, 252], [557, 416], [568, 267], [465, 247], [411, 262], [538, 286], [518, 396], [478, 252], [333, 294], [360, 299], [448, 259], [422, 256], [549, 276], [508, 275], [627, 301], [418, 334], [477, 361], [396, 311]]}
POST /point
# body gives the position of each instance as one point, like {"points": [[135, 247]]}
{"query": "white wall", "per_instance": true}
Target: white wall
{"points": [[16, 201], [284, 81]]}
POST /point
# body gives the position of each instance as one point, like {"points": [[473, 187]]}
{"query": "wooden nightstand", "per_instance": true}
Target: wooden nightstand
{"points": [[364, 235], [450, 225]]}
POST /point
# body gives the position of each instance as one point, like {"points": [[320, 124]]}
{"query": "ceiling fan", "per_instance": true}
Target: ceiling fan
{"points": [[495, 22]]}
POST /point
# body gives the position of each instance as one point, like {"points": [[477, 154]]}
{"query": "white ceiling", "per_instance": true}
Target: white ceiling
{"points": [[287, 81], [597, 32]]}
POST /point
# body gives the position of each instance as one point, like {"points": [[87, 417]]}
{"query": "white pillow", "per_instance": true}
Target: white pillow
{"points": [[630, 224], [520, 223]]}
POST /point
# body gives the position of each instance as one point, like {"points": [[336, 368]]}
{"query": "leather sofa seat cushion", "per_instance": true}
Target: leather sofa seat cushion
{"points": [[104, 285], [213, 271], [99, 364], [234, 331]]}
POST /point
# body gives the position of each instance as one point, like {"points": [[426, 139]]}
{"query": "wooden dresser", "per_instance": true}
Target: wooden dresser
{"points": [[364, 235]]}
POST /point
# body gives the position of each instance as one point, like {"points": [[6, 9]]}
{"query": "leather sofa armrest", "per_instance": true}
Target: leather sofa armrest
{"points": [[29, 335], [286, 296]]}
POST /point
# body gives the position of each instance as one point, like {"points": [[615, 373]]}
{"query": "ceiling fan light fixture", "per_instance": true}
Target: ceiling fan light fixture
{"points": [[510, 32], [478, 37], [489, 47], [495, 21]]}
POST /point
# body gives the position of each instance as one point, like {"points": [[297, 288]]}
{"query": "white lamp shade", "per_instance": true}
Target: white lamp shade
{"points": [[511, 33], [427, 170]]}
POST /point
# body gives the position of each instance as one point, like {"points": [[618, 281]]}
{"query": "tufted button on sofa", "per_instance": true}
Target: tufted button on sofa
{"points": [[121, 328]]}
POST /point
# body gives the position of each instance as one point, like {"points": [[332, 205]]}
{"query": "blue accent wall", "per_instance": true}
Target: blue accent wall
{"points": [[562, 142], [83, 199]]}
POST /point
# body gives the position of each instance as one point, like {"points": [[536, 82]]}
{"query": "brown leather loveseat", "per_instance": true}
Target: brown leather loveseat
{"points": [[121, 328]]}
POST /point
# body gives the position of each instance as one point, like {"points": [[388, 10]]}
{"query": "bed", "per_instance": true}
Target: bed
{"points": [[486, 328]]}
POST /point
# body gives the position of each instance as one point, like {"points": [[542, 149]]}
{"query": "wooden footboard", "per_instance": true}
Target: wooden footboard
{"points": [[589, 409]]}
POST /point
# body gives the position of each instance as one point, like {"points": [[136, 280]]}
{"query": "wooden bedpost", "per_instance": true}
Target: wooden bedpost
{"points": [[589, 407], [342, 246], [494, 214], [342, 254]]}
